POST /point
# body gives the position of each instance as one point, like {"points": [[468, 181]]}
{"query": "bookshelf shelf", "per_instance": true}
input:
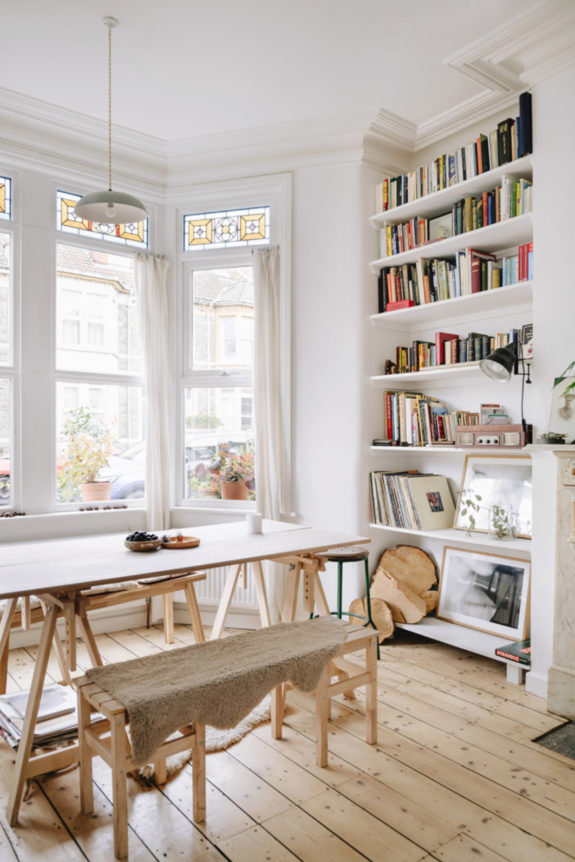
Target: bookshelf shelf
{"points": [[500, 299], [460, 537], [450, 450], [494, 237], [462, 372], [441, 201], [467, 639]]}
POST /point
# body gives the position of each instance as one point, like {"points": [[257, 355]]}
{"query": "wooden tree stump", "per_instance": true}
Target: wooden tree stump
{"points": [[405, 605], [411, 567], [431, 598], [380, 614]]}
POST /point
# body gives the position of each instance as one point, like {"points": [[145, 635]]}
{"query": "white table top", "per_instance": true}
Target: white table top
{"points": [[55, 565]]}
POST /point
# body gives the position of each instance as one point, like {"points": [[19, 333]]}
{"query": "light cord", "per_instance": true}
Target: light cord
{"points": [[110, 107]]}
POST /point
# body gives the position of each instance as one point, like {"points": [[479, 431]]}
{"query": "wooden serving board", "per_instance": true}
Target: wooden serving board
{"points": [[184, 542]]}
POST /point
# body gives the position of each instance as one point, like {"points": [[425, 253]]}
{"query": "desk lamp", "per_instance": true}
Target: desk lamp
{"points": [[502, 363]]}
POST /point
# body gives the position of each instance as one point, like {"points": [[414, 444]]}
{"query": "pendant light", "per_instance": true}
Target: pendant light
{"points": [[110, 207]]}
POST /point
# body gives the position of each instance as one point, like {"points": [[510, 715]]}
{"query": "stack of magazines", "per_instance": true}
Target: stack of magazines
{"points": [[57, 719]]}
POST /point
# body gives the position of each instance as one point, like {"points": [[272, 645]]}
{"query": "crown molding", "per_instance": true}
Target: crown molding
{"points": [[267, 149], [43, 136]]}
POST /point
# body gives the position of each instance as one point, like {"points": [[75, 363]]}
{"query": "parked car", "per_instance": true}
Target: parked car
{"points": [[4, 481], [127, 473]]}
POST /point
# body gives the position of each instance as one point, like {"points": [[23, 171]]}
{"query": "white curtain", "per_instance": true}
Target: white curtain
{"points": [[271, 467], [152, 293]]}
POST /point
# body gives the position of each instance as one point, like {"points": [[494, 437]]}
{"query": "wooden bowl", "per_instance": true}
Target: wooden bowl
{"points": [[153, 545], [175, 542]]}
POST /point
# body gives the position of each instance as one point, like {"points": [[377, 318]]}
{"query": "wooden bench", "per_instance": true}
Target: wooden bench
{"points": [[108, 738]]}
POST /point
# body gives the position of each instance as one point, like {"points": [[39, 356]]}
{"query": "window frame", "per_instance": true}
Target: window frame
{"points": [[273, 191], [88, 378], [12, 370]]}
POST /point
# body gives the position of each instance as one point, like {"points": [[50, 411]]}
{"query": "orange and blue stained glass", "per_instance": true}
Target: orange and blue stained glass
{"points": [[135, 233], [5, 198], [227, 228]]}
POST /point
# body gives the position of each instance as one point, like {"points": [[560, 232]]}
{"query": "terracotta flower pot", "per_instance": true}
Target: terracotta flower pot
{"points": [[91, 491], [235, 490]]}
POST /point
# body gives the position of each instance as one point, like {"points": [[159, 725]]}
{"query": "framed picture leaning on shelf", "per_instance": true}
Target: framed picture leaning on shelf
{"points": [[486, 592], [489, 481]]}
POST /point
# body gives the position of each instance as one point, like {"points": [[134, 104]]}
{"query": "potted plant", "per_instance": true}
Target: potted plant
{"points": [[237, 475], [88, 449]]}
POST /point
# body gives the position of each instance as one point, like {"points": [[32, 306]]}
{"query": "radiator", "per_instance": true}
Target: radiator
{"points": [[209, 591]]}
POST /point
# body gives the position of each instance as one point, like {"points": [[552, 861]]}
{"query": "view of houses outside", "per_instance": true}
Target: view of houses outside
{"points": [[219, 430], [5, 389]]}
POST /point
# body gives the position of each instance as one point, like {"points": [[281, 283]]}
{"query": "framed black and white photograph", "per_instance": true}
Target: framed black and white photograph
{"points": [[486, 592], [490, 481]]}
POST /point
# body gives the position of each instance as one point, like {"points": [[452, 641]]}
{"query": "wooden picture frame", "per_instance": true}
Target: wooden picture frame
{"points": [[486, 592], [503, 480]]}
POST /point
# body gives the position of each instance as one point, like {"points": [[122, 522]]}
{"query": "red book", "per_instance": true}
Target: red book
{"points": [[440, 339], [402, 303], [388, 416], [475, 257]]}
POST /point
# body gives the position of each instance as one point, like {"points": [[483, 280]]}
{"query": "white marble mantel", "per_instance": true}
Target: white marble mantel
{"points": [[561, 689]]}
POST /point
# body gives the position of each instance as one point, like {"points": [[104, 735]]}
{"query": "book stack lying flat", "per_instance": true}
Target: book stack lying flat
{"points": [[518, 651], [57, 720], [411, 500]]}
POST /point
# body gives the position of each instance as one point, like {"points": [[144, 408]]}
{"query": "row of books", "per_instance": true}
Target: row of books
{"points": [[512, 139], [449, 348], [411, 500], [513, 198], [436, 279], [414, 419]]}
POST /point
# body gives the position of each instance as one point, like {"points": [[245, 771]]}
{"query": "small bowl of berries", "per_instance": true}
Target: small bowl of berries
{"points": [[142, 541]]}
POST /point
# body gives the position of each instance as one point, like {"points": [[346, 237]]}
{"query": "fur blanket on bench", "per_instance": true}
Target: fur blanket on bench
{"points": [[218, 682]]}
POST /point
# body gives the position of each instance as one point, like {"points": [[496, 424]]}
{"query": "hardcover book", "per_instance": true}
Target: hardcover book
{"points": [[519, 651]]}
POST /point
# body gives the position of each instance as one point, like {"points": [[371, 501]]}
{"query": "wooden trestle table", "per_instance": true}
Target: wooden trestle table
{"points": [[57, 570]]}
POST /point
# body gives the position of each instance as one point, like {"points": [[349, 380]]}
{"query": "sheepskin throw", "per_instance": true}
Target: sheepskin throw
{"points": [[218, 682]]}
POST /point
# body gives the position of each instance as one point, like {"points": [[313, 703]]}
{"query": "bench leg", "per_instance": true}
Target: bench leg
{"points": [[5, 624], [85, 757], [120, 790], [199, 774], [168, 618], [371, 693], [160, 770], [322, 710], [277, 711], [194, 612]]}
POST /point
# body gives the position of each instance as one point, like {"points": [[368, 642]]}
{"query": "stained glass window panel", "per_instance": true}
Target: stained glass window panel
{"points": [[229, 228], [135, 233], [5, 198]]}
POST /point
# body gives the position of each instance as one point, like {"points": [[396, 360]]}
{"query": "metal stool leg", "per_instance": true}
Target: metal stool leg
{"points": [[339, 588]]}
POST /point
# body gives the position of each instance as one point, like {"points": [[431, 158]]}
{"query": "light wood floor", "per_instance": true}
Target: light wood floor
{"points": [[455, 777]]}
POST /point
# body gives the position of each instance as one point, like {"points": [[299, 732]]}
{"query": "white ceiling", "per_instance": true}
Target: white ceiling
{"points": [[184, 68]]}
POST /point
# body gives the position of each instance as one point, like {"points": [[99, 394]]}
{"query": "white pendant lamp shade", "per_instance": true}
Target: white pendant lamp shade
{"points": [[110, 207]]}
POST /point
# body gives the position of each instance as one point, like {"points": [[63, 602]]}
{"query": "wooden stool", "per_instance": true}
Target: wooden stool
{"points": [[349, 677], [352, 554], [108, 738]]}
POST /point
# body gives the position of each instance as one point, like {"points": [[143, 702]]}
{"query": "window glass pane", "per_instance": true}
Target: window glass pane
{"points": [[100, 436], [219, 443], [5, 425], [227, 228], [97, 326], [5, 297], [5, 198], [222, 318], [135, 233]]}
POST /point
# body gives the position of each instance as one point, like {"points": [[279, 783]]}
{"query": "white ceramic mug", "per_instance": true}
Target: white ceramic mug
{"points": [[254, 522]]}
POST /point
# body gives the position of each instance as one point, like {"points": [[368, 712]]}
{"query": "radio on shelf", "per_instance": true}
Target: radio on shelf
{"points": [[490, 436]]}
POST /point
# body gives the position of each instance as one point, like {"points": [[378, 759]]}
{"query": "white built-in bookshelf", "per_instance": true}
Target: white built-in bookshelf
{"points": [[490, 311]]}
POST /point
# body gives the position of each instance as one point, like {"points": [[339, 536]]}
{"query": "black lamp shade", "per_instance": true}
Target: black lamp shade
{"points": [[500, 364]]}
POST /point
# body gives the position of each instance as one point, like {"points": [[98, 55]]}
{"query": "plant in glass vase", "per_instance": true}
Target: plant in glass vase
{"points": [[89, 446], [501, 522]]}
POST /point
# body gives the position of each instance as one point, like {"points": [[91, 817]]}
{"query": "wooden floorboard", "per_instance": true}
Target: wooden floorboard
{"points": [[455, 777]]}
